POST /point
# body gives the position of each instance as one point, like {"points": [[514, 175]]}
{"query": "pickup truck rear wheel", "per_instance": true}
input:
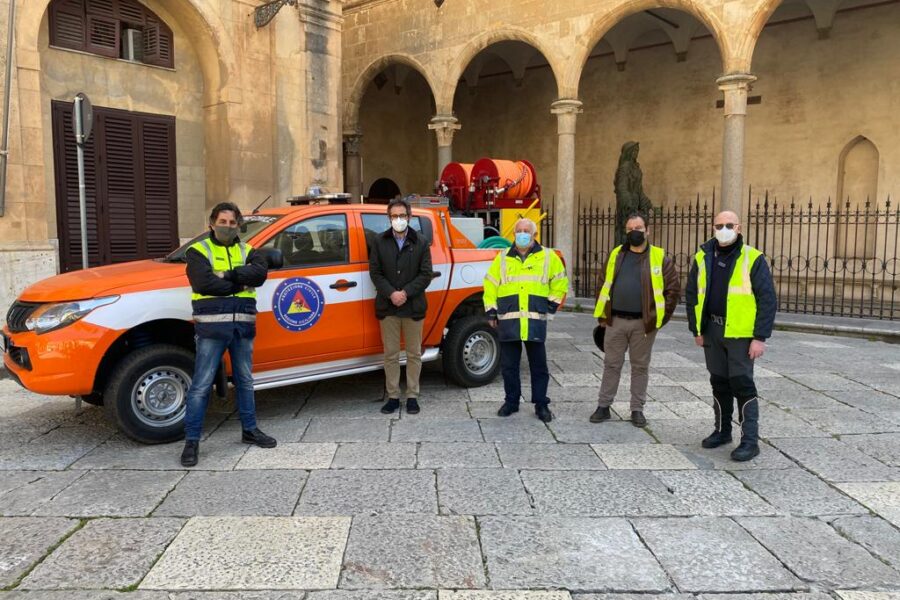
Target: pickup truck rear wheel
{"points": [[146, 394], [471, 352]]}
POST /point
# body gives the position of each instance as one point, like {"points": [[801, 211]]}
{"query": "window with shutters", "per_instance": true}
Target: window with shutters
{"points": [[112, 28], [131, 196]]}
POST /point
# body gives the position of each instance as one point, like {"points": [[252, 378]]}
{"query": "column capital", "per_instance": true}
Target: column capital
{"points": [[735, 81], [566, 106], [444, 126], [352, 142]]}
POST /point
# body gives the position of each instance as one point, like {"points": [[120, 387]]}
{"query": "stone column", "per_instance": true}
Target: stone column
{"points": [[353, 165], [564, 217], [735, 88], [444, 126]]}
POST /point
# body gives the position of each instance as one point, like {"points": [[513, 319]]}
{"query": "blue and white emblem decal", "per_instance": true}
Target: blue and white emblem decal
{"points": [[298, 303]]}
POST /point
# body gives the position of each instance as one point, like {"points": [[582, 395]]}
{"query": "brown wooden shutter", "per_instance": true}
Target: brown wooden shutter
{"points": [[67, 205], [118, 186], [131, 13], [158, 43], [67, 24], [157, 143], [103, 35]]}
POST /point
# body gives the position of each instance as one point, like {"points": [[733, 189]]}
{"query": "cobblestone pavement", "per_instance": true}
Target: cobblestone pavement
{"points": [[457, 504]]}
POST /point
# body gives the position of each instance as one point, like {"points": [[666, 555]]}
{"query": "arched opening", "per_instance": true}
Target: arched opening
{"points": [[383, 190], [857, 187], [396, 145], [651, 79]]}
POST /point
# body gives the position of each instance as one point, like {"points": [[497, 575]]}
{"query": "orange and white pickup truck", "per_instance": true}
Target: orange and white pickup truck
{"points": [[121, 336]]}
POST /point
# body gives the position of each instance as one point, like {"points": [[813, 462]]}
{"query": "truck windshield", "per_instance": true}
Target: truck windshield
{"points": [[253, 224]]}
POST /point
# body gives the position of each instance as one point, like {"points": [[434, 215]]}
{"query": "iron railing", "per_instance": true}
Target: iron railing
{"points": [[836, 259]]}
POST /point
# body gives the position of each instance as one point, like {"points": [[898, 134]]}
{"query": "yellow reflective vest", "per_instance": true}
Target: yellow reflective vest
{"points": [[224, 258], [740, 305], [520, 290], [657, 281]]}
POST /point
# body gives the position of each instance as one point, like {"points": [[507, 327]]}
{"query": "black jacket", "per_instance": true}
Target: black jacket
{"points": [[205, 281], [763, 290], [393, 269]]}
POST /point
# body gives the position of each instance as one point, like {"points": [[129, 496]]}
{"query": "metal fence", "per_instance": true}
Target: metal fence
{"points": [[838, 259]]}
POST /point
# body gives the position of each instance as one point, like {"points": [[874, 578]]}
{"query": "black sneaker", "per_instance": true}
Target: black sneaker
{"points": [[716, 439], [507, 409], [543, 413], [412, 406], [390, 406], [258, 438], [744, 452], [191, 453], [638, 419], [601, 414]]}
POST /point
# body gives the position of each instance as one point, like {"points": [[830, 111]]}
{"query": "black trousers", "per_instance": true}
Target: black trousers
{"points": [[731, 376], [511, 358]]}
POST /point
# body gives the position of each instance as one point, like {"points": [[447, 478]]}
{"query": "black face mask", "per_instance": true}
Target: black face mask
{"points": [[635, 237]]}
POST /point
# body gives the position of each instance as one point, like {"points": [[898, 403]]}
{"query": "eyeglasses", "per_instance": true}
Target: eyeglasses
{"points": [[719, 226]]}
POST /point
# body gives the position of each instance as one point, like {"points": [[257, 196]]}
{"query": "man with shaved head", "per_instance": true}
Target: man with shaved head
{"points": [[731, 310]]}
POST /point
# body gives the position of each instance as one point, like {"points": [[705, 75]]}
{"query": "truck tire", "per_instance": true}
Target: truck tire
{"points": [[146, 394], [471, 352]]}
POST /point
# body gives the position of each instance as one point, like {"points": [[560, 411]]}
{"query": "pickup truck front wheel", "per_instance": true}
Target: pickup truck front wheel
{"points": [[471, 352], [146, 394]]}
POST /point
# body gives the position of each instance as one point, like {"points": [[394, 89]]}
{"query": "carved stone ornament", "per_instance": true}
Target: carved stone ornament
{"points": [[264, 14]]}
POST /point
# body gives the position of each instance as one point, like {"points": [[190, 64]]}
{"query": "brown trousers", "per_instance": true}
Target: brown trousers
{"points": [[622, 335], [391, 330]]}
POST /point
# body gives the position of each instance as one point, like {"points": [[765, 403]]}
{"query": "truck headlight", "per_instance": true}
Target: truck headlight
{"points": [[53, 316]]}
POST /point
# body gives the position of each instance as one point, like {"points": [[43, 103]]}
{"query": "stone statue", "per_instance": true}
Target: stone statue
{"points": [[629, 188]]}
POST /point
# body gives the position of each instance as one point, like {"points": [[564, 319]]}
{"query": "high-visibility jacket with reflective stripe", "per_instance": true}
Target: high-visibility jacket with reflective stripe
{"points": [[657, 282], [520, 291], [740, 305], [224, 258]]}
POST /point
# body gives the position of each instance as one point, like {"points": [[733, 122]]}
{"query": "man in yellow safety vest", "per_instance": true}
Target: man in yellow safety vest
{"points": [[638, 294], [731, 308]]}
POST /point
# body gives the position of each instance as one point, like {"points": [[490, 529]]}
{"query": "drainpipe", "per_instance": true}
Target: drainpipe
{"points": [[4, 141]]}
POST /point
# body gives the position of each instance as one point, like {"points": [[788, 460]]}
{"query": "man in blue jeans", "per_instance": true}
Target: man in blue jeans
{"points": [[224, 272]]}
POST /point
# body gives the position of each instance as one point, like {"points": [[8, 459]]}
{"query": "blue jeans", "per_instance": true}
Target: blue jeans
{"points": [[510, 357], [209, 355]]}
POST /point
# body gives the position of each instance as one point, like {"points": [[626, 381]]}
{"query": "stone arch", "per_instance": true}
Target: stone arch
{"points": [[609, 18], [857, 183], [210, 41], [444, 100], [746, 45], [354, 100]]}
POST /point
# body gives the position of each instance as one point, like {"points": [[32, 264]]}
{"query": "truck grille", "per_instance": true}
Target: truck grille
{"points": [[18, 313]]}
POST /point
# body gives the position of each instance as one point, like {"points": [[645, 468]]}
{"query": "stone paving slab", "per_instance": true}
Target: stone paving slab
{"points": [[798, 492], [375, 455], [881, 497], [518, 430], [847, 420], [641, 456], [817, 553], [482, 492], [332, 406], [235, 493], [719, 459], [267, 595], [866, 595], [713, 493], [326, 429], [573, 554], [668, 394], [219, 454], [105, 553], [777, 423], [436, 430], [652, 410], [681, 432], [555, 457], [835, 460], [874, 534], [608, 432], [373, 595], [284, 430], [447, 405], [112, 494], [85, 595], [768, 596], [53, 451], [667, 596], [884, 447], [828, 382], [368, 492], [253, 553], [450, 455], [24, 540], [34, 490], [413, 551], [714, 555], [504, 595], [290, 456]]}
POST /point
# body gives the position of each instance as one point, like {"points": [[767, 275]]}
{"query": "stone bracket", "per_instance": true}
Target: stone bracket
{"points": [[444, 126]]}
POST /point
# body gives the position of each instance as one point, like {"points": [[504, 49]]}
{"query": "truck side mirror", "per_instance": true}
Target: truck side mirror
{"points": [[274, 257]]}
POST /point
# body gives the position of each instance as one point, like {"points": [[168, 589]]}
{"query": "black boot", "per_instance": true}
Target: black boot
{"points": [[258, 438], [507, 409], [748, 417], [390, 406], [723, 408], [543, 412], [191, 453], [600, 415]]}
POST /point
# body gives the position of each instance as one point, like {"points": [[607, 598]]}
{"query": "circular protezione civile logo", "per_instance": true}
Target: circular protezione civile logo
{"points": [[298, 303]]}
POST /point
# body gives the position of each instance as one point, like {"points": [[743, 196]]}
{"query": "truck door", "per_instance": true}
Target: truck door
{"points": [[426, 224], [310, 310]]}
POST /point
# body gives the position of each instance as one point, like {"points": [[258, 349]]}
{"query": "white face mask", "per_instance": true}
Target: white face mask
{"points": [[725, 236], [400, 224]]}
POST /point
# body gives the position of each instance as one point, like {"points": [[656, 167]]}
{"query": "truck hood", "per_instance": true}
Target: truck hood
{"points": [[99, 281]]}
